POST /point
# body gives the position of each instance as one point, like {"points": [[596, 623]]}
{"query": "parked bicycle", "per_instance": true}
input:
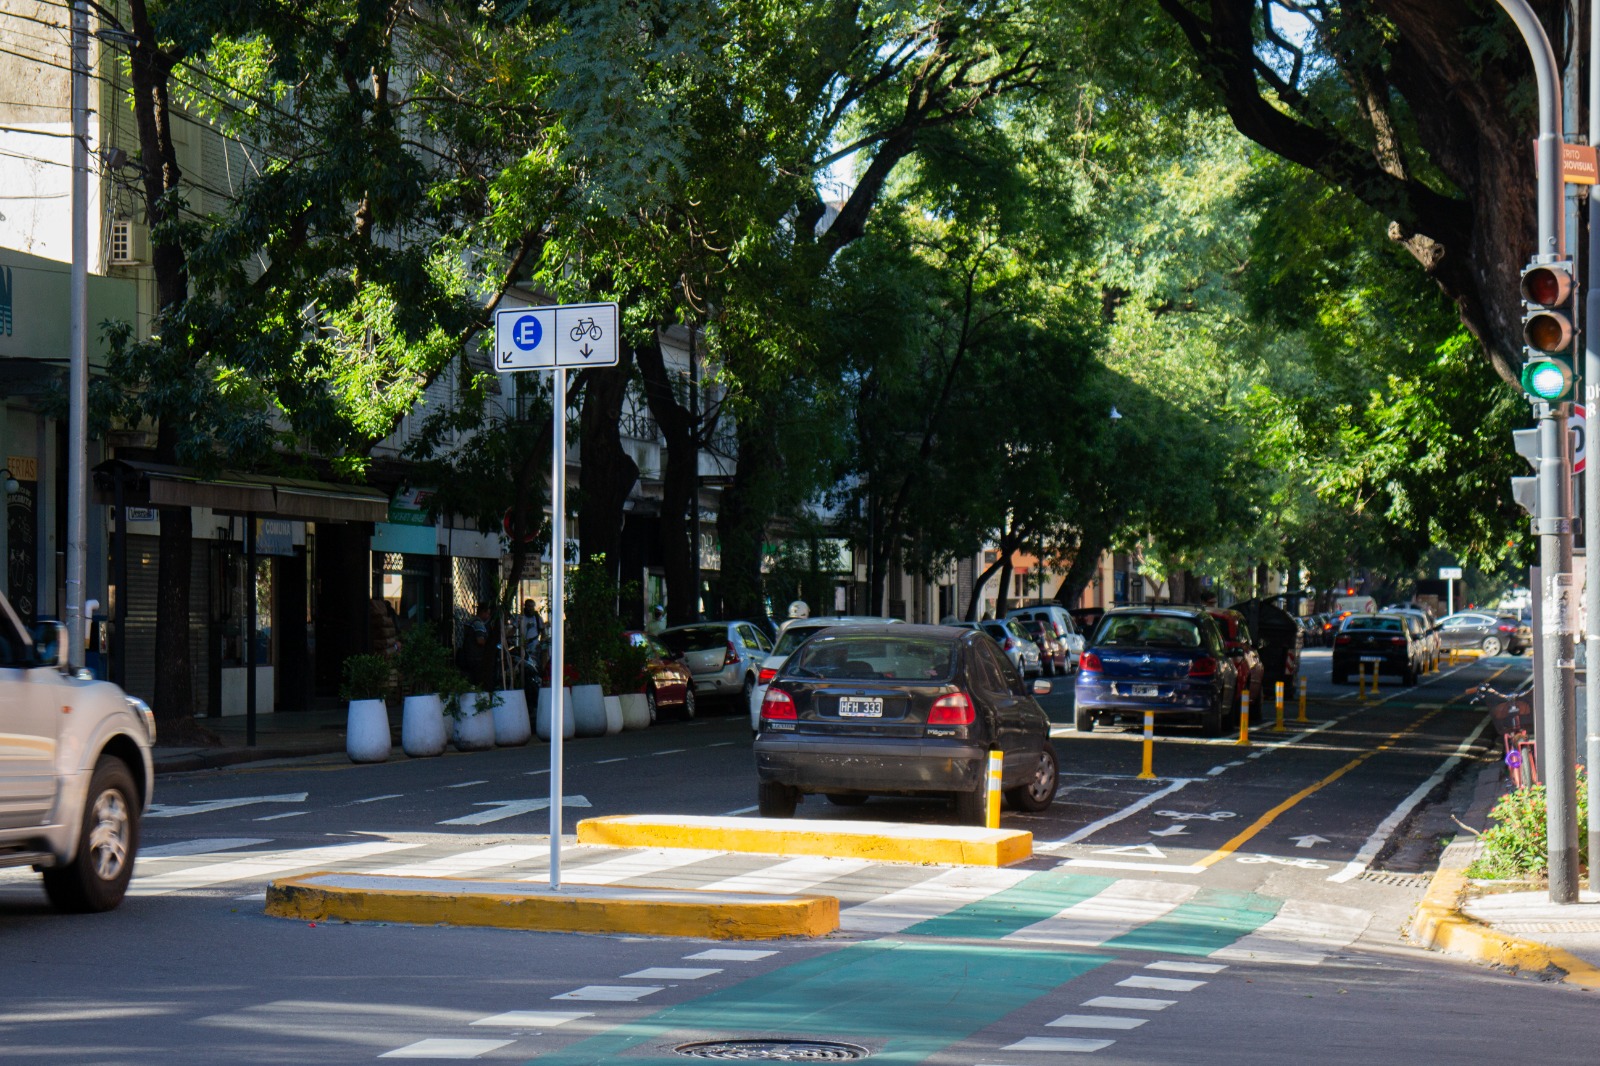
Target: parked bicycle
{"points": [[1512, 715]]}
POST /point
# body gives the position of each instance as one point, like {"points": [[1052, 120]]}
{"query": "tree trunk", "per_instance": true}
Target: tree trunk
{"points": [[977, 590], [680, 426], [742, 518], [608, 472], [1085, 562]]}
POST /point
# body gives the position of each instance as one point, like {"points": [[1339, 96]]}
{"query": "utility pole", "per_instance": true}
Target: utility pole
{"points": [[1591, 471], [1552, 518], [78, 372]]}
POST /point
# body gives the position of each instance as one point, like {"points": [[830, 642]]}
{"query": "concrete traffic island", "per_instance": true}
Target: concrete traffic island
{"points": [[947, 845], [569, 909]]}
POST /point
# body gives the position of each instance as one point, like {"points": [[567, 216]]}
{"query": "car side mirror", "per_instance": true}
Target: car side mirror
{"points": [[1041, 687], [50, 643]]}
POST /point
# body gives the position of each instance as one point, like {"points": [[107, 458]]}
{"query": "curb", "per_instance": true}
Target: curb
{"points": [[878, 841], [217, 758], [573, 909], [1440, 924]]}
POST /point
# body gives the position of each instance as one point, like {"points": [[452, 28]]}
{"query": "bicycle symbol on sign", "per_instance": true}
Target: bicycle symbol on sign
{"points": [[586, 325], [1197, 816], [1303, 864]]}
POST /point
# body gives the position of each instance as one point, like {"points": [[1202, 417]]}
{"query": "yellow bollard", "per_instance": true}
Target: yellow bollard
{"points": [[1361, 681], [996, 763], [1375, 678], [1244, 719], [1302, 687], [1146, 773], [1278, 726]]}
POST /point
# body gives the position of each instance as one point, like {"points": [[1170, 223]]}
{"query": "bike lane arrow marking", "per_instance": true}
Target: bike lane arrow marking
{"points": [[501, 809], [1310, 840], [1169, 831], [178, 810]]}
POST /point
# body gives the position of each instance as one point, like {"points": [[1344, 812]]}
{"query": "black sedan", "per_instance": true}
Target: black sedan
{"points": [[902, 710], [1171, 661], [1494, 633], [1377, 643]]}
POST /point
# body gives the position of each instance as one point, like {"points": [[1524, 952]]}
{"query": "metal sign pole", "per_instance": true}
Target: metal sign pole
{"points": [[558, 582]]}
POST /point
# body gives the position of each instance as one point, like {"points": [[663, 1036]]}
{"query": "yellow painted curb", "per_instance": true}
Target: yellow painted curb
{"points": [[878, 841], [326, 896], [1440, 924]]}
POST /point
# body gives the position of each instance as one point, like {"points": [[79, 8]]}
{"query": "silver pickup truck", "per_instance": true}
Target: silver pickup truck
{"points": [[75, 769]]}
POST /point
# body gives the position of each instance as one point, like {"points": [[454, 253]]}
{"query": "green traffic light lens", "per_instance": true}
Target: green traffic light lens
{"points": [[1546, 379]]}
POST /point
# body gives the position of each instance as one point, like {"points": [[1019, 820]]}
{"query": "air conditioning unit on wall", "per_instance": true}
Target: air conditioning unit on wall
{"points": [[130, 242]]}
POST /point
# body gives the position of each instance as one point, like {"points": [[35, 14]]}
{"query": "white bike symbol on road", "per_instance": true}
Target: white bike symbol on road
{"points": [[1304, 864], [1194, 816]]}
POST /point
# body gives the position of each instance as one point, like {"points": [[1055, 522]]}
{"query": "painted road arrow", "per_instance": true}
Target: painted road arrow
{"points": [[1134, 849], [500, 809], [1169, 831], [178, 810], [1310, 840]]}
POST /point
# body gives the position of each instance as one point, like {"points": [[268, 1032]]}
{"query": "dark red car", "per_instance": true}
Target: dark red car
{"points": [[1054, 658], [670, 684], [1245, 653]]}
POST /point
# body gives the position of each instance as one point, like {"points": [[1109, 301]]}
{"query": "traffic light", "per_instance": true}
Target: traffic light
{"points": [[1525, 489], [1549, 372]]}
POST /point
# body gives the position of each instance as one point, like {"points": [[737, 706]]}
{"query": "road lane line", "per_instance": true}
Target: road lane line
{"points": [[375, 799], [275, 817], [467, 784], [741, 810], [1270, 816], [204, 846], [1116, 816], [1380, 836]]}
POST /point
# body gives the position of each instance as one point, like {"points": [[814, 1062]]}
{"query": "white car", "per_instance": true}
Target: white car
{"points": [[75, 770], [792, 634], [722, 657], [1058, 619]]}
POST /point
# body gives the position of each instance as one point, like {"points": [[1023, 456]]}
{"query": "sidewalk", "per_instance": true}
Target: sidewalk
{"points": [[1520, 930], [283, 735]]}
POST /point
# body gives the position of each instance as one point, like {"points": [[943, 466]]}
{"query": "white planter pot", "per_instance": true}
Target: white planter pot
{"points": [[543, 717], [588, 711], [422, 729], [635, 710], [511, 725], [472, 729], [613, 715], [366, 731]]}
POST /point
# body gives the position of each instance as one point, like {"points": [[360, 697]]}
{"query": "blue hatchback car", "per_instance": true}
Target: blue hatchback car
{"points": [[1170, 660]]}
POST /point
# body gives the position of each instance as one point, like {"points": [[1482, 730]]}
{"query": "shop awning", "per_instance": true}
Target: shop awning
{"points": [[230, 492]]}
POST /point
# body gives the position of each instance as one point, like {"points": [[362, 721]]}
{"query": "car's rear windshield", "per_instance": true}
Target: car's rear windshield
{"points": [[793, 637], [856, 657], [1372, 625], [1148, 631], [695, 638]]}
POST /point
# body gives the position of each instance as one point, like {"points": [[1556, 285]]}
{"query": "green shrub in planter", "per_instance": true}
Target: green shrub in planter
{"points": [[451, 684], [423, 661], [627, 666], [1516, 846], [366, 677]]}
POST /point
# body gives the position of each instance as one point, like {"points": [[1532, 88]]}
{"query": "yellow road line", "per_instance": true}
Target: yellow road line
{"points": [[1268, 818]]}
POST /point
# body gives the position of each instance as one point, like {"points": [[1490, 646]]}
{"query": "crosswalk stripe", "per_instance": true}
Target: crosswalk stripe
{"points": [[933, 898], [1058, 1043], [1123, 906], [637, 865], [1096, 1021], [1128, 1003], [792, 877], [262, 865], [185, 848], [468, 861], [1186, 967], [1301, 935], [1159, 984]]}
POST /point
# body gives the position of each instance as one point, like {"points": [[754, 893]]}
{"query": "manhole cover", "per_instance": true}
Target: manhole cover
{"points": [[774, 1050], [1402, 880]]}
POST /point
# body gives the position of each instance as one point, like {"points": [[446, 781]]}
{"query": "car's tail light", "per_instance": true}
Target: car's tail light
{"points": [[1009, 645], [1342, 638], [777, 704], [1397, 640], [1089, 662], [1506, 628], [954, 709], [730, 654], [1203, 667], [766, 675]]}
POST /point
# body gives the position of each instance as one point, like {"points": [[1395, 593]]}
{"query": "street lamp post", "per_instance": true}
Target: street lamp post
{"points": [[78, 372]]}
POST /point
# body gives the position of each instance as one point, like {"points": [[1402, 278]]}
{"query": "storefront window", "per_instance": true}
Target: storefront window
{"points": [[236, 606]]}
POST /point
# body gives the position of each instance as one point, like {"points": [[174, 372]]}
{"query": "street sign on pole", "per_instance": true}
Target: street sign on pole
{"points": [[1449, 573], [557, 338], [1578, 425], [561, 335]]}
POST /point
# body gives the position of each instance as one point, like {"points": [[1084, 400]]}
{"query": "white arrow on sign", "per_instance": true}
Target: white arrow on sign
{"points": [[178, 810], [500, 809], [1149, 850], [1169, 831], [1310, 840]]}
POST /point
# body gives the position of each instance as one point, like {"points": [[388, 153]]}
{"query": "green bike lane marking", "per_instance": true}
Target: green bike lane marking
{"points": [[860, 991]]}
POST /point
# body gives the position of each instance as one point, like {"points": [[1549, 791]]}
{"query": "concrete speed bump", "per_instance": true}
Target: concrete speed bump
{"points": [[569, 909], [951, 845]]}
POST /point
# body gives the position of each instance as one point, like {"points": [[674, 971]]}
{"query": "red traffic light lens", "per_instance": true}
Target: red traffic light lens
{"points": [[1546, 285]]}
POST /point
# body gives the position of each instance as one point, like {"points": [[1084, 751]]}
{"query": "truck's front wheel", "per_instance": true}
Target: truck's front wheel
{"points": [[97, 877]]}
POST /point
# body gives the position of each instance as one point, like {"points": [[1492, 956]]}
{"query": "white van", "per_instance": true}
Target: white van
{"points": [[1058, 619]]}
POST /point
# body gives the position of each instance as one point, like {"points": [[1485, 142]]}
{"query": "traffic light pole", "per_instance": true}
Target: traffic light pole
{"points": [[1553, 519], [1591, 471]]}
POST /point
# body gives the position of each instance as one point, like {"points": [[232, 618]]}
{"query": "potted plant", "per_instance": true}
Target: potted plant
{"points": [[366, 682], [509, 705], [470, 712], [628, 673], [545, 711], [422, 662], [592, 631]]}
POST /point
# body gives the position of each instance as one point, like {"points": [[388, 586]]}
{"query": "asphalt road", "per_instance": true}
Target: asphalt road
{"points": [[1245, 906]]}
